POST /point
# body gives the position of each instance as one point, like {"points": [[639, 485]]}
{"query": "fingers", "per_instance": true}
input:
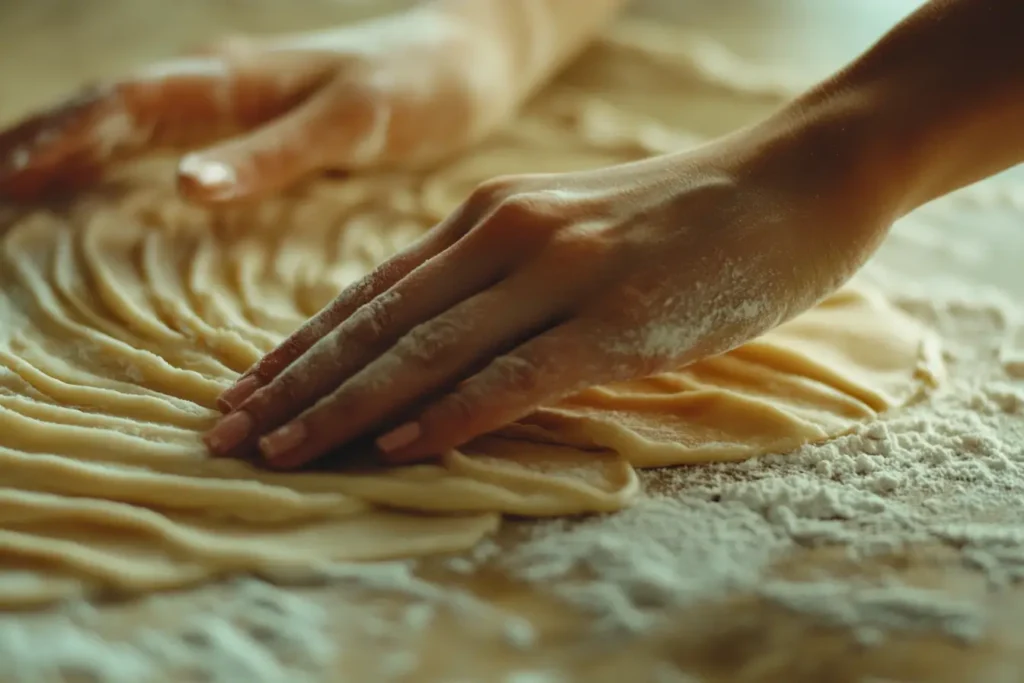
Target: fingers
{"points": [[351, 299], [225, 46], [61, 149], [432, 356], [344, 126], [262, 162], [551, 366], [467, 268], [183, 102]]}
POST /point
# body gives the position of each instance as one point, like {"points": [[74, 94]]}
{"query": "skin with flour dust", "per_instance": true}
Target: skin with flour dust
{"points": [[538, 285]]}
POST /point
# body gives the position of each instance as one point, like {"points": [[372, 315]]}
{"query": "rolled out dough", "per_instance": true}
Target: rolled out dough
{"points": [[123, 316]]}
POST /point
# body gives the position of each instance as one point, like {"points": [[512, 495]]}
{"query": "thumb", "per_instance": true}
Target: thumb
{"points": [[341, 128], [259, 163], [178, 103]]}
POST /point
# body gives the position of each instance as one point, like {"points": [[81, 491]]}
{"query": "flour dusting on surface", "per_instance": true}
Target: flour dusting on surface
{"points": [[947, 473]]}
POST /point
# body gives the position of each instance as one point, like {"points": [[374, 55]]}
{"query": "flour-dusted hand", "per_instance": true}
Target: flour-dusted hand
{"points": [[539, 286], [404, 89]]}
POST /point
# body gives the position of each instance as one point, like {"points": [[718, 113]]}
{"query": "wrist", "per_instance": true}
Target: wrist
{"points": [[534, 38], [934, 105], [482, 25], [826, 151]]}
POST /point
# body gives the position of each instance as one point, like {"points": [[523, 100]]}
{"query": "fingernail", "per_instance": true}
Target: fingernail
{"points": [[233, 396], [229, 432], [399, 437], [19, 159], [211, 177], [287, 438]]}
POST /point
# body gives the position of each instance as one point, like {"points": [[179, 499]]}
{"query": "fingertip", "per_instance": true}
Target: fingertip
{"points": [[399, 438], [410, 443], [205, 178], [45, 154], [236, 394]]}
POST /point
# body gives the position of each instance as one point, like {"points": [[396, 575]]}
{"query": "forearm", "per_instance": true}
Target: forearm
{"points": [[539, 36], [936, 104]]}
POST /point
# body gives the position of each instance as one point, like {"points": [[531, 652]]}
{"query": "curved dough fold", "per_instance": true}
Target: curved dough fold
{"points": [[124, 316]]}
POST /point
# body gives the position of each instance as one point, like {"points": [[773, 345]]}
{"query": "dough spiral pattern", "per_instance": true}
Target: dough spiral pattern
{"points": [[124, 315]]}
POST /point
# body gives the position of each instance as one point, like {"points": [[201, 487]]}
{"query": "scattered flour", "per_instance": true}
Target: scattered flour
{"points": [[533, 677], [923, 475], [949, 471], [633, 564], [871, 610], [264, 635], [62, 650]]}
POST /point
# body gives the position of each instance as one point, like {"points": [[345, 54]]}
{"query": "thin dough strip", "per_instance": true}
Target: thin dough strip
{"points": [[213, 300], [217, 497], [240, 499], [151, 367], [56, 379], [127, 573], [796, 392], [209, 541], [170, 300], [60, 414], [122, 317], [98, 445], [266, 308], [102, 247], [76, 272], [508, 492]]}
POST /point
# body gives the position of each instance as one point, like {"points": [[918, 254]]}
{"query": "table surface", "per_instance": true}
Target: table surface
{"points": [[49, 47]]}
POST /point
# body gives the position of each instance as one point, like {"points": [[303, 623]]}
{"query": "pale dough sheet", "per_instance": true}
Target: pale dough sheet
{"points": [[123, 316]]}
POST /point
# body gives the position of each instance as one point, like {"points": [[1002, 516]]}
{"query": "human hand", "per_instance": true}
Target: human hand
{"points": [[540, 286], [407, 88]]}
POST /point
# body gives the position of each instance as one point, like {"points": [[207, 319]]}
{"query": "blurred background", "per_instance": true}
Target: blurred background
{"points": [[49, 47]]}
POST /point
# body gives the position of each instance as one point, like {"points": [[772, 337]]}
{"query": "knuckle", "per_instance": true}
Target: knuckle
{"points": [[516, 374], [282, 390], [456, 411], [431, 344], [520, 209], [523, 218], [583, 249], [362, 290], [647, 364], [324, 414], [371, 323], [491, 192], [586, 244]]}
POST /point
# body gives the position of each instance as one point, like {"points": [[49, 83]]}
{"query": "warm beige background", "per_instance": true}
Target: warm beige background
{"points": [[48, 47]]}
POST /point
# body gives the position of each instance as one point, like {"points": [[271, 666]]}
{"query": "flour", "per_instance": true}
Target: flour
{"points": [[946, 472], [267, 636], [636, 563], [533, 677], [60, 649], [871, 610], [920, 476]]}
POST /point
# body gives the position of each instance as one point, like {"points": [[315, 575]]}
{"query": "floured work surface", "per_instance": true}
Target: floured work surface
{"points": [[819, 564], [126, 314]]}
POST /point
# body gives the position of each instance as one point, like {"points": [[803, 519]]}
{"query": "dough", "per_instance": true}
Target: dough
{"points": [[123, 316]]}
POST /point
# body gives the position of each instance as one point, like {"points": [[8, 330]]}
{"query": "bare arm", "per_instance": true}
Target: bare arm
{"points": [[540, 36], [682, 256], [402, 89], [936, 104]]}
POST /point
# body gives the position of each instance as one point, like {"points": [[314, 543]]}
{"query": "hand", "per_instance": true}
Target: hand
{"points": [[540, 286], [407, 88]]}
